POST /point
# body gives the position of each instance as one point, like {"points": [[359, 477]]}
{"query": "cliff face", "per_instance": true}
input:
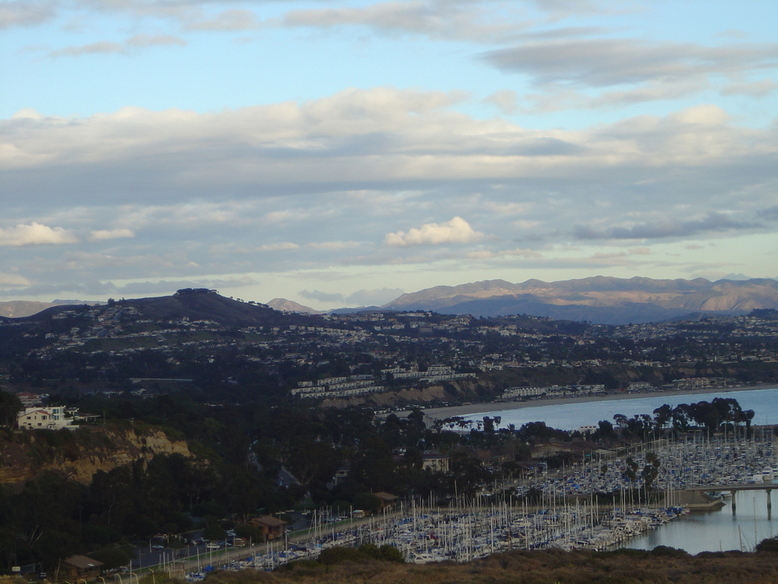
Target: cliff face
{"points": [[79, 454]]}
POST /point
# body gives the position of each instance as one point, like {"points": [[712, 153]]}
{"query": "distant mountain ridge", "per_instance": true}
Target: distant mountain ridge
{"points": [[20, 308], [598, 299], [285, 305]]}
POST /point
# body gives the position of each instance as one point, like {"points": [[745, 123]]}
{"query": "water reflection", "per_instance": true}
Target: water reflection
{"points": [[718, 530]]}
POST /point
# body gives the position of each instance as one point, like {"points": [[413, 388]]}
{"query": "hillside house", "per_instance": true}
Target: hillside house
{"points": [[44, 418], [388, 501], [435, 462], [271, 527], [81, 568]]}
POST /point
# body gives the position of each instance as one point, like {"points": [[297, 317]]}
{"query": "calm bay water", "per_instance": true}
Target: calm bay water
{"points": [[572, 416], [720, 530], [700, 531]]}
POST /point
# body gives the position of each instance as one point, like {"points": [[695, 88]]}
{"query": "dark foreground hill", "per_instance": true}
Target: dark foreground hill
{"points": [[661, 566], [599, 299]]}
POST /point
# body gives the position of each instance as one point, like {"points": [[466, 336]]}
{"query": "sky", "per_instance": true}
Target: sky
{"points": [[343, 153]]}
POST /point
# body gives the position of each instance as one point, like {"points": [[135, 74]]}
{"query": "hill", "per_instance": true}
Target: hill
{"points": [[81, 453], [196, 315], [285, 305], [603, 300]]}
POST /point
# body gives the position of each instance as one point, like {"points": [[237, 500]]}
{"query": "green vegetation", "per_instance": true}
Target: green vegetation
{"points": [[661, 566]]}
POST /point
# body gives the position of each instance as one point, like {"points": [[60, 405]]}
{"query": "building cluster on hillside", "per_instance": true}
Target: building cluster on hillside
{"points": [[348, 355], [553, 391], [364, 384]]}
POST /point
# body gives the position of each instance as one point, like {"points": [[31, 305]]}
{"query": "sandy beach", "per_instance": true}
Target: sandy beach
{"points": [[478, 408]]}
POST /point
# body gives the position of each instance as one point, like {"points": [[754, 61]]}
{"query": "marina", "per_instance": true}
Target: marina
{"points": [[705, 493], [588, 506]]}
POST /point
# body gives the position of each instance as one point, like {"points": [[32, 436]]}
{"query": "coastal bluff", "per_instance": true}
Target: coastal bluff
{"points": [[79, 454]]}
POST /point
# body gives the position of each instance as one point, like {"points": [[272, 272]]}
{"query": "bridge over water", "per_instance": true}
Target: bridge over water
{"points": [[733, 489]]}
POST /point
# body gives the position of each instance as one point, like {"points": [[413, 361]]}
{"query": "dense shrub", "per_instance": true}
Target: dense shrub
{"points": [[337, 554]]}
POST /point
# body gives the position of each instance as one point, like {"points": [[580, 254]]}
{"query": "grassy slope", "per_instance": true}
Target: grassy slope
{"points": [[539, 567]]}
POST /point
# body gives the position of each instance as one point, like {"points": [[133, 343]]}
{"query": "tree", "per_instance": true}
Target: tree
{"points": [[650, 472], [10, 406], [662, 415], [367, 502]]}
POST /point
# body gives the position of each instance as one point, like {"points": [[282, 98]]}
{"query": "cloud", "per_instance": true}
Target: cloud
{"points": [[713, 222], [506, 253], [35, 234], [504, 100], [13, 280], [445, 19], [759, 88], [322, 296], [333, 245], [25, 13], [375, 297], [342, 175], [611, 62], [227, 20], [103, 234], [170, 286], [455, 231], [283, 246], [139, 41], [97, 48], [771, 213], [160, 40]]}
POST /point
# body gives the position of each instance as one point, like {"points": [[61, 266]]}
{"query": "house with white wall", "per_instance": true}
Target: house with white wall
{"points": [[44, 418]]}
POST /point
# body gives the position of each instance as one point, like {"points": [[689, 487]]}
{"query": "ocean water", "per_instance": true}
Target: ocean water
{"points": [[763, 401]]}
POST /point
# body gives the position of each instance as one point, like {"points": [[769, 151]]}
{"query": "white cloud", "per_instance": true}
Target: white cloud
{"points": [[25, 13], [131, 44], [759, 88], [332, 245], [455, 231], [227, 20], [283, 246], [436, 19], [606, 62], [35, 234], [508, 253], [13, 280], [504, 100], [96, 48], [103, 234]]}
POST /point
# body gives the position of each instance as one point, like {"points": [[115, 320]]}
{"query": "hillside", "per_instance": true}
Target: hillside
{"points": [[81, 453], [660, 566], [143, 315], [600, 299]]}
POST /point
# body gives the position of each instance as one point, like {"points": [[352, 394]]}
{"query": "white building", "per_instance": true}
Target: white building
{"points": [[38, 418]]}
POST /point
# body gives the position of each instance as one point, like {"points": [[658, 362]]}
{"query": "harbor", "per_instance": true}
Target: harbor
{"points": [[593, 505]]}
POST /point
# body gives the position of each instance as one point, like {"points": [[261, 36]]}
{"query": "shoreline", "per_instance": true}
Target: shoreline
{"points": [[501, 406]]}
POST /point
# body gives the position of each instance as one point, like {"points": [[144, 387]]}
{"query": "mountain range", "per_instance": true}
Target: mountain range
{"points": [[599, 299]]}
